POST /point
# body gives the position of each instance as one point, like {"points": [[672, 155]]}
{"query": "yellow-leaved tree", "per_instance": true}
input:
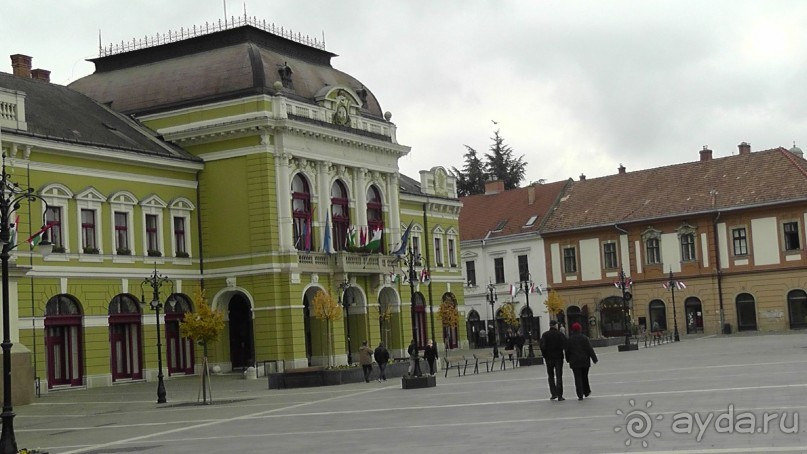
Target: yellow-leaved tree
{"points": [[327, 310], [203, 326], [384, 312], [554, 304], [449, 316], [508, 312]]}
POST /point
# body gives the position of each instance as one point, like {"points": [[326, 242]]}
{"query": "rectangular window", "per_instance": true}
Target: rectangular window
{"points": [[452, 257], [609, 255], [740, 241], [152, 234], [438, 251], [179, 235], [53, 218], [470, 272], [523, 268], [498, 267], [88, 231], [653, 251], [122, 232], [416, 246], [688, 247], [569, 260], [791, 236]]}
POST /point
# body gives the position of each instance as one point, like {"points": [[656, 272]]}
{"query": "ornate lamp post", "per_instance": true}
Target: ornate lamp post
{"points": [[492, 298], [155, 281], [672, 284], [10, 200], [526, 287], [411, 261], [623, 283], [345, 303]]}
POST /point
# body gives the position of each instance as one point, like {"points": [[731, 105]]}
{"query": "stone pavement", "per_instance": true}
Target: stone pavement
{"points": [[719, 394]]}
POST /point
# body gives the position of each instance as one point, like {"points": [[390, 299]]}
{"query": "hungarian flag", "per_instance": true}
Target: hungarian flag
{"points": [[425, 277], [14, 227], [536, 288], [680, 285], [37, 237], [375, 241], [351, 237], [513, 290]]}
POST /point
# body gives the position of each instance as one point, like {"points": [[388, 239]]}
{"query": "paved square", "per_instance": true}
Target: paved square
{"points": [[701, 395]]}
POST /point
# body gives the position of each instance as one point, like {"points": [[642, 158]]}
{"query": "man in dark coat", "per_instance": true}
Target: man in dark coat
{"points": [[552, 345], [381, 355], [579, 354]]}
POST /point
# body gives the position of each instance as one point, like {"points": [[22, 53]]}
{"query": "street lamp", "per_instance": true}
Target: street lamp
{"points": [[672, 284], [343, 286], [10, 200], [492, 298], [622, 284], [411, 261], [155, 281], [526, 287]]}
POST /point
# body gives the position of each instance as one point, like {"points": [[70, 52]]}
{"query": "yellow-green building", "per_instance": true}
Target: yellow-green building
{"points": [[259, 173]]}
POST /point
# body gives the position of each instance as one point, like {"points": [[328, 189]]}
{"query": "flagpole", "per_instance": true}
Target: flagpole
{"points": [[672, 284]]}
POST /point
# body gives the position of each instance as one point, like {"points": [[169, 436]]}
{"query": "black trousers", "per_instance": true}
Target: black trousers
{"points": [[581, 385], [367, 368], [382, 371], [430, 361], [554, 372]]}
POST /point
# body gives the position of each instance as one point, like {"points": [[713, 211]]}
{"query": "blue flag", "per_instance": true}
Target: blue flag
{"points": [[401, 251]]}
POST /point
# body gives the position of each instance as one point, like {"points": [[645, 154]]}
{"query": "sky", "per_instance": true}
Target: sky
{"points": [[576, 87]]}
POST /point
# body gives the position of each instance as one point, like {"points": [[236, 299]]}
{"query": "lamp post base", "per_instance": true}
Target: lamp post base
{"points": [[424, 381], [628, 347], [530, 361]]}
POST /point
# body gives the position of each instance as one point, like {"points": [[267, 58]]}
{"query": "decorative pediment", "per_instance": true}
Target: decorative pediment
{"points": [[469, 255], [182, 203], [342, 103], [685, 229], [123, 197], [651, 234], [56, 190], [91, 195], [153, 201]]}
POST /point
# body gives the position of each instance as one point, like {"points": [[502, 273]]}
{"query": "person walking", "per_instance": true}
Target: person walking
{"points": [[413, 354], [381, 355], [552, 345], [580, 354], [430, 353], [366, 360]]}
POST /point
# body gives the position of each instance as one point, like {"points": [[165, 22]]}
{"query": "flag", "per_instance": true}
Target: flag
{"points": [[401, 251], [375, 241], [425, 277], [628, 283], [362, 236], [36, 238], [326, 242], [666, 285], [680, 285], [513, 290], [307, 234], [394, 278], [351, 237], [14, 227], [537, 288]]}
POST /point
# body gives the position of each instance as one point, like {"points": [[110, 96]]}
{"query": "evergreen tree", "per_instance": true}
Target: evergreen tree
{"points": [[471, 179], [502, 166]]}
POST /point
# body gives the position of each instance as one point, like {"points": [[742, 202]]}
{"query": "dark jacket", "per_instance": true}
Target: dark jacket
{"points": [[579, 352], [430, 353], [381, 355], [552, 344], [412, 350]]}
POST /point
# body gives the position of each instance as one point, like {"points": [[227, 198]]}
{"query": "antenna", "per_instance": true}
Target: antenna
{"points": [[225, 12]]}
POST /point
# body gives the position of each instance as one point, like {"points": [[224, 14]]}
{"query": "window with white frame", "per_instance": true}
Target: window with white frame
{"points": [[609, 255], [122, 206], [152, 209], [181, 209], [791, 236], [652, 246], [686, 238], [89, 202], [470, 272], [569, 260], [740, 240], [452, 252], [438, 251], [57, 197]]}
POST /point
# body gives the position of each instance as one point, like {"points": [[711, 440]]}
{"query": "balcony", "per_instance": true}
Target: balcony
{"points": [[345, 262]]}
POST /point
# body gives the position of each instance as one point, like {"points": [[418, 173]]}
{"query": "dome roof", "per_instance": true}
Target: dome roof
{"points": [[228, 64]]}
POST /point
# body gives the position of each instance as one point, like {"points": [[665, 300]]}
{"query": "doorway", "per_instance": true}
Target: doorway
{"points": [[693, 311], [241, 346]]}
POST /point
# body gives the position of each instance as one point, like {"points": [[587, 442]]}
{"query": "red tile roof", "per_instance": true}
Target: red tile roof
{"points": [[744, 180], [481, 213]]}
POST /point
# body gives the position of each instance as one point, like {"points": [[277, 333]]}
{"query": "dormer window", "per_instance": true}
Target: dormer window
{"points": [[531, 220], [285, 73], [500, 226]]}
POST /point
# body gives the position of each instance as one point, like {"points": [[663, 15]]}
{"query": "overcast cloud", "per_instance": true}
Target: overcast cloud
{"points": [[575, 86]]}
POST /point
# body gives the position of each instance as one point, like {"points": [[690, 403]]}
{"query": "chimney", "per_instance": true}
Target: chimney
{"points": [[621, 169], [531, 194], [21, 65], [582, 177], [706, 154], [745, 148], [494, 187], [41, 74]]}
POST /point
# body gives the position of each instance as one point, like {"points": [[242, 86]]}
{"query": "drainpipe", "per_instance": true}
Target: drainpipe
{"points": [[199, 236], [427, 246], [719, 274]]}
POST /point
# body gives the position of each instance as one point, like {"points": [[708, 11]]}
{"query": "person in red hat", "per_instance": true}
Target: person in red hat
{"points": [[579, 355]]}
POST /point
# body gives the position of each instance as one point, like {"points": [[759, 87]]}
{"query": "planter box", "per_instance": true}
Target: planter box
{"points": [[319, 376], [424, 381], [527, 361]]}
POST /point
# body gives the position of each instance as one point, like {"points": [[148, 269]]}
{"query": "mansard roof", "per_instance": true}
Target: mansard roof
{"points": [[217, 66], [55, 112], [746, 180], [506, 213]]}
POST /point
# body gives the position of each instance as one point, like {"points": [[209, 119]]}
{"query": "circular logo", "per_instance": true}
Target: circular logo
{"points": [[638, 423]]}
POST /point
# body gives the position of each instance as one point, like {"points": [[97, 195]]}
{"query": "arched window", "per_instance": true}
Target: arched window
{"points": [[63, 341], [340, 215], [658, 315], [301, 212], [179, 350], [375, 220], [746, 312], [797, 308], [125, 340]]}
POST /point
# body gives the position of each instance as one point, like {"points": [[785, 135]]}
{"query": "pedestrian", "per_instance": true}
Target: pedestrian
{"points": [[509, 343], [553, 344], [520, 343], [381, 355], [580, 354], [563, 329], [366, 360], [483, 337], [413, 356], [430, 353]]}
